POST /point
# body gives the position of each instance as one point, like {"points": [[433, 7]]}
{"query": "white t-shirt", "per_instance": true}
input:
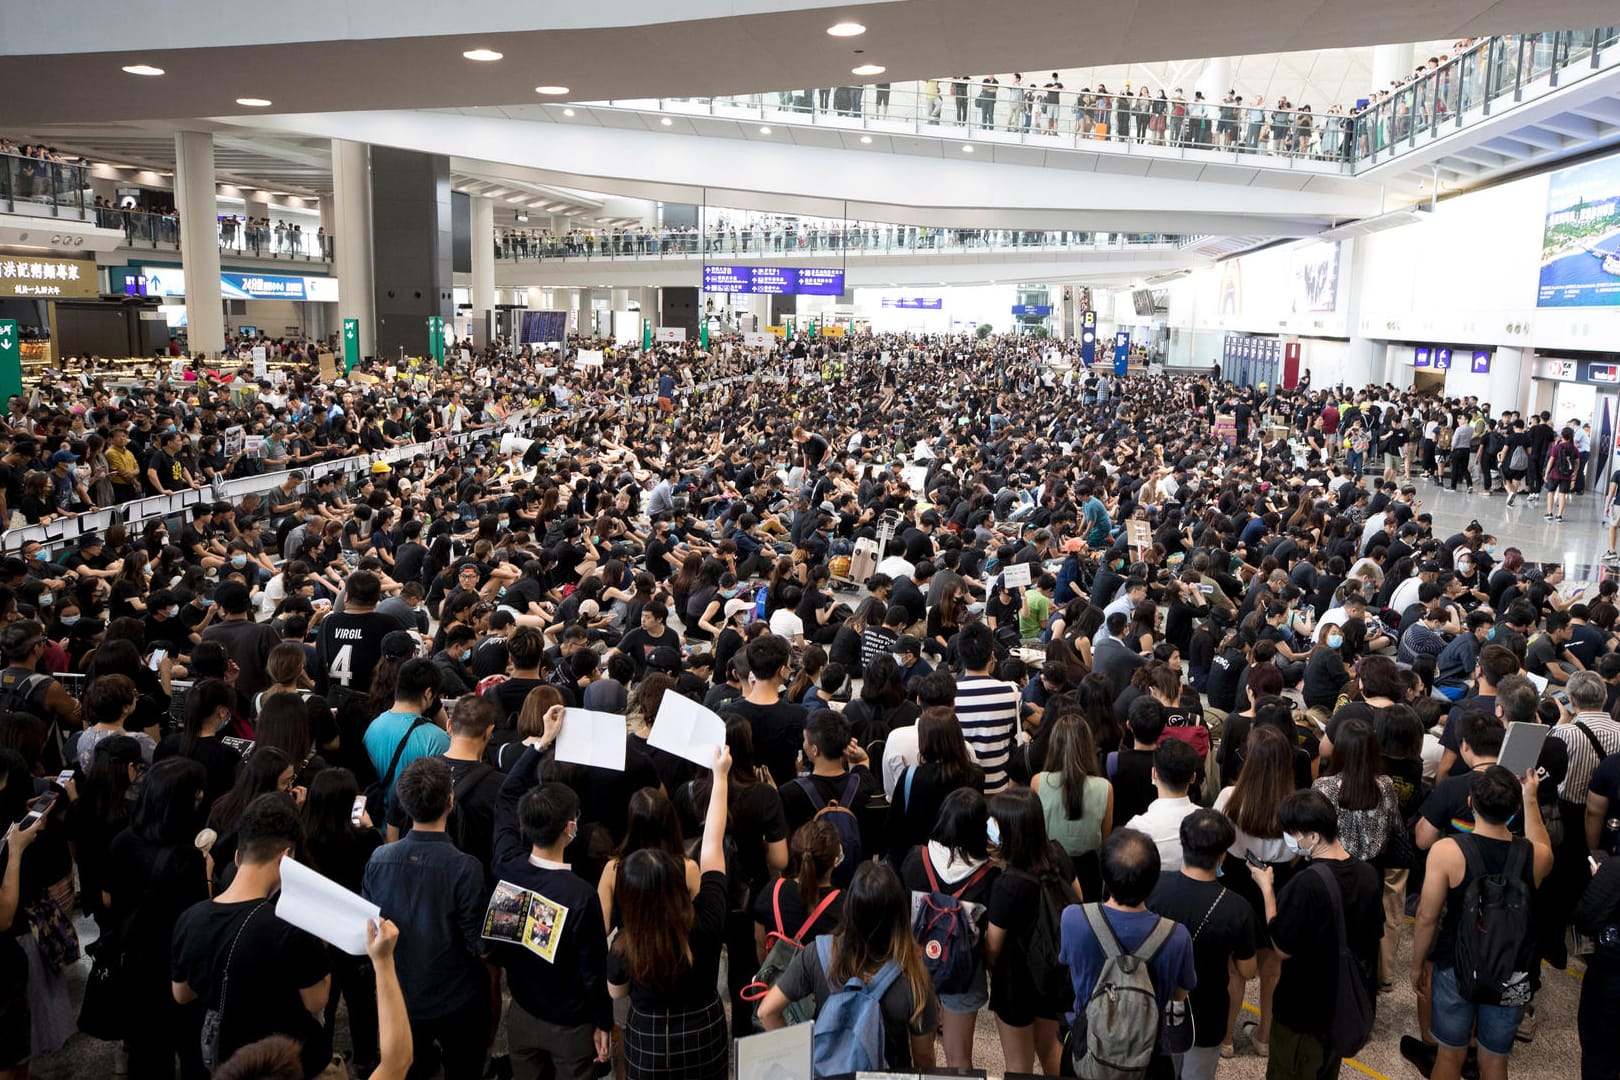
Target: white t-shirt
{"points": [[784, 623]]}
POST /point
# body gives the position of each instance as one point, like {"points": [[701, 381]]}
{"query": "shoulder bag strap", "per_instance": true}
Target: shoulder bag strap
{"points": [[1155, 940], [399, 751], [1591, 737], [776, 906], [1205, 920], [851, 790], [225, 972], [821, 908], [1102, 930], [972, 880], [811, 792], [928, 868], [911, 774]]}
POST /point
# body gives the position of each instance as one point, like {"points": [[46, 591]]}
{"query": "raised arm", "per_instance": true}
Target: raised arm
{"points": [[712, 855]]}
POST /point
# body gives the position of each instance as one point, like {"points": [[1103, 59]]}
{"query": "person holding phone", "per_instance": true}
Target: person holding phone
{"points": [[15, 1035]]}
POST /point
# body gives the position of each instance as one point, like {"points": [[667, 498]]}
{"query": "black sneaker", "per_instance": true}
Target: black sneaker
{"points": [[1422, 1055]]}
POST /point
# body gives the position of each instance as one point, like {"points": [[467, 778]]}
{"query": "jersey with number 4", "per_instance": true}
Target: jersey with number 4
{"points": [[347, 649]]}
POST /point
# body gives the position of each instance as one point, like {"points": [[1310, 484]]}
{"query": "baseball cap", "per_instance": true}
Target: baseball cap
{"points": [[664, 658], [738, 604], [398, 645], [380, 467]]}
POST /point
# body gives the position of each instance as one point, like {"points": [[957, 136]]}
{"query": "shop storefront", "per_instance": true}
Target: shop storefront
{"points": [[1582, 390], [30, 288], [274, 305]]}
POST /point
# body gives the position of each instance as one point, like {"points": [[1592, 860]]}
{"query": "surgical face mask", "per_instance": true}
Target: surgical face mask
{"points": [[992, 831], [1291, 842], [69, 620], [174, 610], [46, 599], [1334, 641], [899, 658], [238, 560], [1490, 635], [208, 602]]}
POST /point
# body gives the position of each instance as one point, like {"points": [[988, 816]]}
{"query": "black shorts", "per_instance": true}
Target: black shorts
{"points": [[1513, 474], [1560, 485]]}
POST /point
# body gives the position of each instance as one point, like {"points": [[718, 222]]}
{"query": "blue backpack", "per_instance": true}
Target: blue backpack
{"points": [[841, 815], [944, 932], [849, 1036]]}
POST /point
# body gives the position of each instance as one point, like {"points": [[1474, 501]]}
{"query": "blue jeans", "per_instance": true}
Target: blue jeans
{"points": [[1455, 1018]]}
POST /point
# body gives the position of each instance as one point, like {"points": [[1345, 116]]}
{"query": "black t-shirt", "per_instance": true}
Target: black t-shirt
{"points": [[798, 807], [1447, 807], [476, 785], [408, 560], [1306, 997], [272, 961], [638, 646], [347, 648], [1222, 925], [778, 735], [1015, 901], [1132, 778]]}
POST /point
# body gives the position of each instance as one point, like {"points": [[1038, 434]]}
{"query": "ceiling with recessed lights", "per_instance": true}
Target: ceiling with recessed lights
{"points": [[67, 61]]}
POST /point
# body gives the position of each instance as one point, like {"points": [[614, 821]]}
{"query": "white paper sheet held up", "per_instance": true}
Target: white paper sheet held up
{"points": [[592, 738], [687, 730], [324, 908], [1016, 575]]}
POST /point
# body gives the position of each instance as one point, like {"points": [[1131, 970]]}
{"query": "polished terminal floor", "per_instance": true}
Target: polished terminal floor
{"points": [[1578, 544]]}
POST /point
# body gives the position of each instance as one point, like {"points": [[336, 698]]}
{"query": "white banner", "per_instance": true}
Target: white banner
{"points": [[670, 333], [261, 361], [759, 340], [587, 358]]}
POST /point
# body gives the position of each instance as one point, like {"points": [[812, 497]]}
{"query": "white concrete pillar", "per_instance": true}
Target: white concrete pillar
{"points": [[1390, 63], [621, 300], [1215, 79], [351, 238], [483, 268], [198, 206]]}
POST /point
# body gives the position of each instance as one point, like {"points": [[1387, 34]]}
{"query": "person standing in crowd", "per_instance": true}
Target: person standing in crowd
{"points": [[437, 895], [1310, 944]]}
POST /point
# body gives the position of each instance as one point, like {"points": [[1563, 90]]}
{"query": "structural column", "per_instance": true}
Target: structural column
{"points": [[350, 229], [483, 269], [1390, 64], [1216, 78], [196, 201], [411, 247]]}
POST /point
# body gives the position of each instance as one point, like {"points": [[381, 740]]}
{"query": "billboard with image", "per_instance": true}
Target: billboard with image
{"points": [[1580, 239]]}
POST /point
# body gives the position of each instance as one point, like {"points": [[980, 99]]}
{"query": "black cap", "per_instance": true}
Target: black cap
{"points": [[665, 658], [398, 645]]}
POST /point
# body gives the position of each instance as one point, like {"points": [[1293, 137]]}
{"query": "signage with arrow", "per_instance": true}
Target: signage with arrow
{"points": [[10, 359], [351, 344]]}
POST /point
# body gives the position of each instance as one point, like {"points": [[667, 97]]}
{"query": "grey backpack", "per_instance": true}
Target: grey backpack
{"points": [[1122, 1018]]}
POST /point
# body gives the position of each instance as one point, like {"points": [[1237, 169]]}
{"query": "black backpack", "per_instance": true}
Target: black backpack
{"points": [[1352, 1021], [1494, 947], [1048, 973]]}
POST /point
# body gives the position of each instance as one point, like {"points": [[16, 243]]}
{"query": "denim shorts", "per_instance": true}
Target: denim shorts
{"points": [[971, 1000], [1454, 1019]]}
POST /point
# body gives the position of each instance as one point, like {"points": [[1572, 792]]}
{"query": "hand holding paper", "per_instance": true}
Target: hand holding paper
{"points": [[324, 908], [687, 730]]}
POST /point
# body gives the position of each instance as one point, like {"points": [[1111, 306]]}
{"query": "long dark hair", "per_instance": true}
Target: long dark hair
{"points": [[202, 701], [168, 807], [1072, 755], [876, 928], [656, 910], [960, 826], [283, 724], [812, 854], [940, 743], [1267, 778], [650, 822], [326, 814], [1357, 762], [1022, 822], [259, 775]]}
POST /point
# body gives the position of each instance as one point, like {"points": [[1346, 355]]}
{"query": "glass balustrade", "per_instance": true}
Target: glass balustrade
{"points": [[1490, 73]]}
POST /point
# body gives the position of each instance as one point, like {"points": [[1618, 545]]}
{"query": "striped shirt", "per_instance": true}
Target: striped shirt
{"points": [[1583, 756], [987, 709]]}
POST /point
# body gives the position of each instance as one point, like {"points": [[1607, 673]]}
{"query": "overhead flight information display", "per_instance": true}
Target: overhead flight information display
{"points": [[782, 280]]}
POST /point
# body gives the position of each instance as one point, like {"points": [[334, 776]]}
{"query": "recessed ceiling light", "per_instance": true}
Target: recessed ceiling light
{"points": [[846, 29], [764, 131], [666, 121], [142, 69], [568, 112], [551, 90], [253, 102], [868, 69], [483, 56], [866, 138], [967, 149]]}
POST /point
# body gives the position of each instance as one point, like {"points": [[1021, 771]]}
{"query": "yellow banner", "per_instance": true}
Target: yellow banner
{"points": [[832, 331], [47, 278], [779, 331]]}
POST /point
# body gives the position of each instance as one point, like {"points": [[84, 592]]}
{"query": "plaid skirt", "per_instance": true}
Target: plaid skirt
{"points": [[693, 1045]]}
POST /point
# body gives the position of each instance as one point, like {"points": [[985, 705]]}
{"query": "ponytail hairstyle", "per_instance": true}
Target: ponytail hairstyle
{"points": [[815, 850]]}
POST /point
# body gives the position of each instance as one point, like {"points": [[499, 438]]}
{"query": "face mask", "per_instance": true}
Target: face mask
{"points": [[208, 602], [41, 555], [46, 600], [1334, 641], [174, 610], [901, 660], [1291, 842], [466, 654], [239, 560], [992, 830], [1490, 635], [69, 620]]}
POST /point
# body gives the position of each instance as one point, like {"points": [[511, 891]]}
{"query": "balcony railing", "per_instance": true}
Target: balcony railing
{"points": [[800, 238], [1489, 74], [44, 188]]}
